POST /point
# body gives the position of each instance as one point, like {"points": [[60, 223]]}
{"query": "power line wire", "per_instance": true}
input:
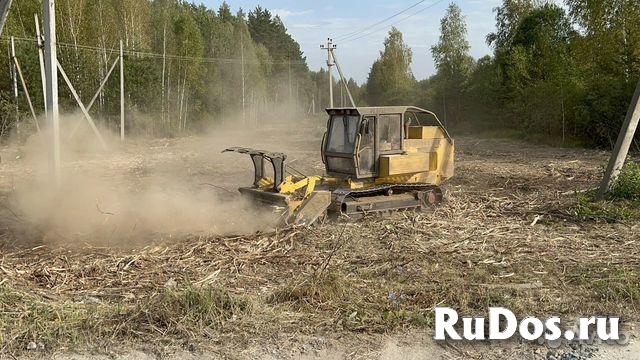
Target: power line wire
{"points": [[393, 24], [160, 56], [357, 32]]}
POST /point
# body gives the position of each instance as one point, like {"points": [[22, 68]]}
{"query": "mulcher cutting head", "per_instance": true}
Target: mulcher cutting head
{"points": [[294, 199]]}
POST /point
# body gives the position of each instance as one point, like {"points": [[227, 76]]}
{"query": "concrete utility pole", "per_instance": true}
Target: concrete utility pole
{"points": [[329, 47], [43, 76], [244, 112], [4, 12], [14, 73], [343, 80], [17, 73], [164, 66], [623, 143], [121, 92], [51, 69], [290, 91]]}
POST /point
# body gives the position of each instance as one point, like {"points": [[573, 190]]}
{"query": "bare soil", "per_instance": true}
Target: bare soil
{"points": [[507, 235]]}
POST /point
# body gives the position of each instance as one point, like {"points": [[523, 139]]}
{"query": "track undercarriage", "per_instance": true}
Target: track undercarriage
{"points": [[385, 198]]}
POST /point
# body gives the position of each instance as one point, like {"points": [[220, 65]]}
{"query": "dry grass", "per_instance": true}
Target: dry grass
{"points": [[507, 236]]}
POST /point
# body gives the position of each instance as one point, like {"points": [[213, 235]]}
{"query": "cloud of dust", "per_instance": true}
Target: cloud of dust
{"points": [[128, 194]]}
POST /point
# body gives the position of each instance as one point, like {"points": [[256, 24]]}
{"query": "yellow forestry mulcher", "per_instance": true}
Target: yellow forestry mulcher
{"points": [[377, 159]]}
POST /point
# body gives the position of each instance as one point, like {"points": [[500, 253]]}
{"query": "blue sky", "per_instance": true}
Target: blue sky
{"points": [[311, 22]]}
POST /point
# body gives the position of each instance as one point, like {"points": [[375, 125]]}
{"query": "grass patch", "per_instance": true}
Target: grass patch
{"points": [[609, 284], [27, 318], [587, 208], [180, 314], [183, 312], [627, 185], [623, 201], [605, 289], [379, 300], [328, 289], [622, 286]]}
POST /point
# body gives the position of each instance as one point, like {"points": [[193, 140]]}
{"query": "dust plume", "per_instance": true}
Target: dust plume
{"points": [[141, 189]]}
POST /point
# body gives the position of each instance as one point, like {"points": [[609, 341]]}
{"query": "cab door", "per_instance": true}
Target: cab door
{"points": [[365, 153]]}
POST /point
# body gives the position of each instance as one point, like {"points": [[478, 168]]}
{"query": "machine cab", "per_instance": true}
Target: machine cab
{"points": [[354, 141], [369, 143]]}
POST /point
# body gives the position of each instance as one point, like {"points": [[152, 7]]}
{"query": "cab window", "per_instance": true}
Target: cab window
{"points": [[342, 135], [390, 131]]}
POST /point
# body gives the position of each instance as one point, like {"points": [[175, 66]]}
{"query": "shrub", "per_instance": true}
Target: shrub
{"points": [[627, 185]]}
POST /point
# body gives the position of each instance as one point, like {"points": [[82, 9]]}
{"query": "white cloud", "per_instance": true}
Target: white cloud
{"points": [[285, 13], [305, 26]]}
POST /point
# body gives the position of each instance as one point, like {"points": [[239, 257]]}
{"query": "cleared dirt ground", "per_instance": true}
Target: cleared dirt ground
{"points": [[166, 261]]}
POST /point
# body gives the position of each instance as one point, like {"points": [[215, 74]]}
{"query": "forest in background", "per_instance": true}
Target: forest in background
{"points": [[557, 74], [186, 66], [561, 75]]}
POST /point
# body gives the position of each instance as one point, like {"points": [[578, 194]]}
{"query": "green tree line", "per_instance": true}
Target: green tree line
{"points": [[186, 66], [561, 74], [555, 75]]}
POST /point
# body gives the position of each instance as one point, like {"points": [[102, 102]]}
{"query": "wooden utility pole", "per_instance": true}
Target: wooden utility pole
{"points": [[623, 143], [51, 69]]}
